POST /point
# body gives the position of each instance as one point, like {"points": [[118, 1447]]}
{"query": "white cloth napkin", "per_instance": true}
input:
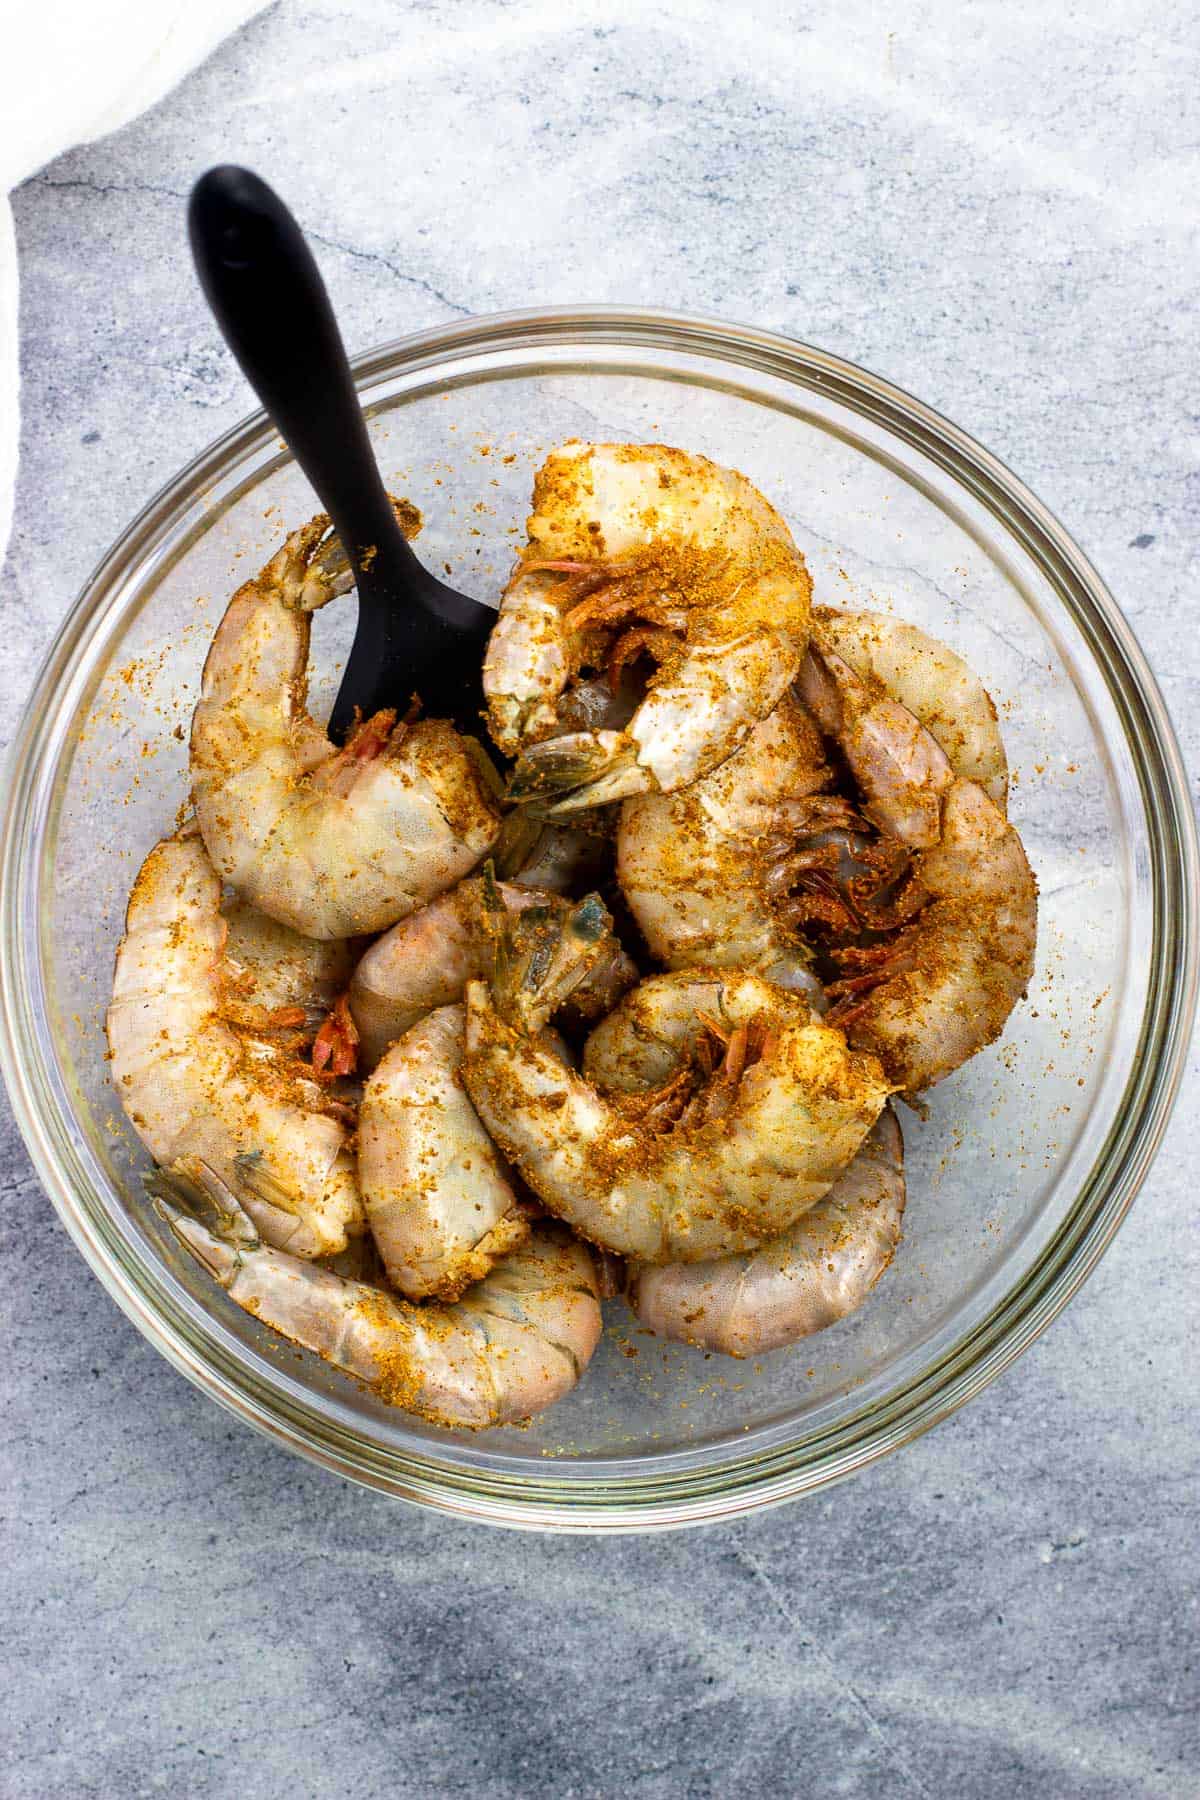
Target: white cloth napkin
{"points": [[75, 70]]}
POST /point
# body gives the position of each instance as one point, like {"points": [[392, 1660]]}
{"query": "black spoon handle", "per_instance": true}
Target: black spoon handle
{"points": [[267, 296]]}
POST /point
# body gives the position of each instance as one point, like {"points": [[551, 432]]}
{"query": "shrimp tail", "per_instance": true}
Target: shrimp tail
{"points": [[204, 1214], [542, 955], [578, 771], [516, 843], [498, 927]]}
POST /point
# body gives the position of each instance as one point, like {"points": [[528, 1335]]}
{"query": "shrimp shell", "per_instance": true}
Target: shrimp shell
{"points": [[800, 1283], [959, 967], [274, 969], [728, 1183], [427, 959], [698, 551], [688, 863], [938, 687], [191, 1085], [438, 1199], [331, 842], [510, 1347], [695, 866]]}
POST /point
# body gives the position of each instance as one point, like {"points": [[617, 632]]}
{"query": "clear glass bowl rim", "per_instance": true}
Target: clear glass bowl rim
{"points": [[733, 1486]]}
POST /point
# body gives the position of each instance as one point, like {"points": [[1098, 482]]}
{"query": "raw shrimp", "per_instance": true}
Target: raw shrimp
{"points": [[276, 978], [816, 1273], [427, 960], [332, 842], [193, 1083], [691, 867], [694, 1170], [934, 978], [937, 686], [640, 549], [733, 871], [438, 1198], [512, 1346]]}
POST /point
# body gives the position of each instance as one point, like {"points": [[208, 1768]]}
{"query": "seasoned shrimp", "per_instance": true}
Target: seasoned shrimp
{"points": [[932, 980], [512, 1346], [438, 1198], [691, 866], [938, 687], [637, 549], [733, 871], [275, 977], [332, 842], [197, 1077], [696, 1168], [427, 960], [816, 1273]]}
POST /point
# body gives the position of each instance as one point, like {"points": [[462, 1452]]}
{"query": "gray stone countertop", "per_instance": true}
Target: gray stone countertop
{"points": [[995, 208]]}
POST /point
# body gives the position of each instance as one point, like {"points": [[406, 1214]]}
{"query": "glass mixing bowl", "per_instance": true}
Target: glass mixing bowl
{"points": [[1028, 1158]]}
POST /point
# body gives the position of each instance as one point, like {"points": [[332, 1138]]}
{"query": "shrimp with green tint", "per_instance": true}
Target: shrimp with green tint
{"points": [[439, 1199], [427, 960]]}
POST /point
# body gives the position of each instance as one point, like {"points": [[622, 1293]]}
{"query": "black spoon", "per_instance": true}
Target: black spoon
{"points": [[415, 634]]}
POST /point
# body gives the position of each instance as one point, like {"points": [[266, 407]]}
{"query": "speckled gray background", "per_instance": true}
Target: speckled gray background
{"points": [[999, 214]]}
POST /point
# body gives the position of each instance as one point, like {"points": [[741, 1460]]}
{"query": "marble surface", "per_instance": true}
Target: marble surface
{"points": [[997, 212]]}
